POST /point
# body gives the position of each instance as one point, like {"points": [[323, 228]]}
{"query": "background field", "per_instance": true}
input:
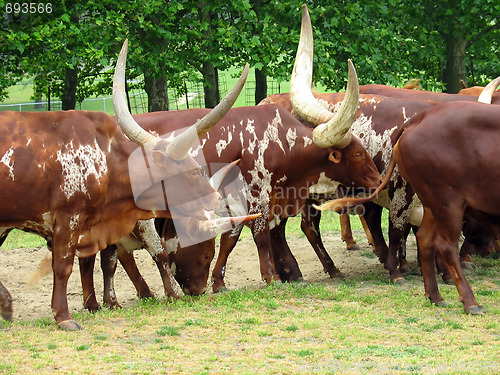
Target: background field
{"points": [[23, 92]]}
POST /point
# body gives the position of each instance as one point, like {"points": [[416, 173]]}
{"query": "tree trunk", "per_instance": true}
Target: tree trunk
{"points": [[156, 89], [260, 85], [69, 90], [260, 74], [210, 86], [454, 71]]}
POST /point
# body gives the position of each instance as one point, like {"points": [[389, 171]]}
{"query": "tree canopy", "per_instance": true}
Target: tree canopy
{"points": [[66, 49]]}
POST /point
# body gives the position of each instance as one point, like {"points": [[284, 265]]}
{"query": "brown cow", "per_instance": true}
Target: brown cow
{"points": [[457, 142], [376, 125], [78, 162], [394, 92], [279, 163]]}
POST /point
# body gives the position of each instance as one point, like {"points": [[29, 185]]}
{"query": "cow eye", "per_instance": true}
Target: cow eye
{"points": [[358, 155]]}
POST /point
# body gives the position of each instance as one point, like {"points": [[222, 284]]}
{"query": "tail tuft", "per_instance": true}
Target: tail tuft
{"points": [[44, 269]]}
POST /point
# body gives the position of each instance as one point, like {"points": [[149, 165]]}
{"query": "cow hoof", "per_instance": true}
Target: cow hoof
{"points": [[476, 310], [467, 266], [113, 306], [404, 267], [353, 246], [448, 280], [337, 275], [441, 304], [92, 309], [70, 325], [399, 280], [222, 289]]}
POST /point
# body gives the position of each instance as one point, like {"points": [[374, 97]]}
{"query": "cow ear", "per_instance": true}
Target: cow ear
{"points": [[335, 156]]}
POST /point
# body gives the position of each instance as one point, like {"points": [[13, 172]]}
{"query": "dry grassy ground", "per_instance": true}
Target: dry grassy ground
{"points": [[362, 324]]}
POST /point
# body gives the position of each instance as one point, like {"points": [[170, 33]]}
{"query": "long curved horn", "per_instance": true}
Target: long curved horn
{"points": [[336, 132], [129, 126], [487, 93], [218, 226], [332, 128], [179, 147]]}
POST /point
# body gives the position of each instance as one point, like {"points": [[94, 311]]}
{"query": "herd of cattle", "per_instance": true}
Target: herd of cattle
{"points": [[254, 166]]}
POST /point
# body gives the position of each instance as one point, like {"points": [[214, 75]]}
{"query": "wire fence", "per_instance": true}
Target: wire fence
{"points": [[193, 97]]}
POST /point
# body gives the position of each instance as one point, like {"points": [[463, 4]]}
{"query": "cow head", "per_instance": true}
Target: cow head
{"points": [[190, 265], [352, 166], [167, 178]]}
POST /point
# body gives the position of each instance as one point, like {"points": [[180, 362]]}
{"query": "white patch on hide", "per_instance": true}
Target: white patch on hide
{"points": [[324, 185], [149, 237], [307, 141], [291, 136], [7, 160], [222, 144], [173, 269], [129, 243], [274, 222], [194, 152], [172, 244], [261, 177], [78, 164], [373, 142], [73, 222]]}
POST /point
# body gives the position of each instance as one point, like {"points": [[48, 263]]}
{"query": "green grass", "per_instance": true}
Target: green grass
{"points": [[19, 239], [312, 328]]}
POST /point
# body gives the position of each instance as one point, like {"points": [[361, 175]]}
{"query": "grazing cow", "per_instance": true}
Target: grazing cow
{"points": [[84, 200], [457, 142]]}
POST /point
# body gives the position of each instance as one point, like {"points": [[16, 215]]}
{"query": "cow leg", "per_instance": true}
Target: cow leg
{"points": [[170, 285], [373, 216], [5, 303], [227, 243], [309, 224], [442, 269], [147, 232], [285, 263], [403, 262], [108, 266], [127, 260], [447, 247], [264, 248], [346, 232], [396, 238], [87, 278], [427, 254], [368, 233], [62, 264]]}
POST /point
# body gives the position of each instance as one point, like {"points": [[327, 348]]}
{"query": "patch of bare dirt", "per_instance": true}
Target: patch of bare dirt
{"points": [[33, 301]]}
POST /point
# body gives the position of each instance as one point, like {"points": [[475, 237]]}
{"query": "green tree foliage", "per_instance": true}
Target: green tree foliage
{"points": [[171, 41]]}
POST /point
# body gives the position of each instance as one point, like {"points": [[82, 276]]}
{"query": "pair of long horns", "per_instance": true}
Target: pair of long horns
{"points": [[331, 129], [180, 145]]}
